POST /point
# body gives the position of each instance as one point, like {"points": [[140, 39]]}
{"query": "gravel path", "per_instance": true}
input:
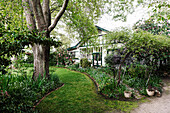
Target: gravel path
{"points": [[157, 104]]}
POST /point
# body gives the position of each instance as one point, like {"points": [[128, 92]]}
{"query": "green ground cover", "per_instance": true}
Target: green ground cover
{"points": [[19, 92], [79, 95]]}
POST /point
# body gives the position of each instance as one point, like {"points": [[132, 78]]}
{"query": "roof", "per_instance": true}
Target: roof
{"points": [[75, 47], [102, 29]]}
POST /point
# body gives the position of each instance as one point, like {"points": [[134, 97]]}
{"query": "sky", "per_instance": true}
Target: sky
{"points": [[108, 23]]}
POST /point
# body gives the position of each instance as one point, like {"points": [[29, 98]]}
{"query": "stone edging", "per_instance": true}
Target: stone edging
{"points": [[94, 81], [97, 85], [47, 95]]}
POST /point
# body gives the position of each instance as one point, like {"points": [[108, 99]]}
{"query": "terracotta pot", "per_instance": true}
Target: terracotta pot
{"points": [[150, 93], [127, 94]]}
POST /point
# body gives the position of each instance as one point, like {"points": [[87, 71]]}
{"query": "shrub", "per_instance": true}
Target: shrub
{"points": [[30, 58], [20, 93], [75, 65], [85, 63], [137, 70], [63, 58], [113, 90], [112, 60], [53, 59]]}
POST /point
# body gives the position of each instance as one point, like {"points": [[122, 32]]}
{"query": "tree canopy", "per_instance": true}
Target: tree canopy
{"points": [[42, 16]]}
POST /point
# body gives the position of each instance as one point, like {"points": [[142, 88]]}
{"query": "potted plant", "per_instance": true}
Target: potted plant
{"points": [[127, 93], [150, 90]]}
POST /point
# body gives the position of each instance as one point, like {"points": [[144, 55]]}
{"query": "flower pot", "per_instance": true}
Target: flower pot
{"points": [[127, 94], [150, 92]]}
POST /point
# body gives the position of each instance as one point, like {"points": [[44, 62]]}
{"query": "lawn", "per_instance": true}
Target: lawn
{"points": [[79, 95]]}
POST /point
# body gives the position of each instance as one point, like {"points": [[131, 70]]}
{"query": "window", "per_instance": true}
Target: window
{"points": [[73, 54], [97, 57]]}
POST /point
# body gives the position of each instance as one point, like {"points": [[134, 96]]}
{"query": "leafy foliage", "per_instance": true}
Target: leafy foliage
{"points": [[19, 93], [145, 47], [154, 26], [112, 59], [85, 63], [81, 16], [62, 57], [132, 77], [13, 43]]}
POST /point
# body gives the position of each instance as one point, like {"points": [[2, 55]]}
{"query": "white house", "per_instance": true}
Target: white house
{"points": [[95, 54]]}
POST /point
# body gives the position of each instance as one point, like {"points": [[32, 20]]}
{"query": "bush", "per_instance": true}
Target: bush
{"points": [[75, 65], [112, 90], [63, 57], [30, 59], [20, 93], [112, 60], [85, 63], [53, 59], [138, 70]]}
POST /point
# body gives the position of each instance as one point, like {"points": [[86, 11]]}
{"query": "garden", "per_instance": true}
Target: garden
{"points": [[35, 79], [142, 73], [131, 76]]}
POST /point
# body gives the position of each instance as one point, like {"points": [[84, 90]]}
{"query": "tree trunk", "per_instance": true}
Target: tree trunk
{"points": [[120, 66], [38, 17], [41, 60]]}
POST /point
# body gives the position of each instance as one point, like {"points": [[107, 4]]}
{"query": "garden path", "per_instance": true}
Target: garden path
{"points": [[78, 95], [157, 104]]}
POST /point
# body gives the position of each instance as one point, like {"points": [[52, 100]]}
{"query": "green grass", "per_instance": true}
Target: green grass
{"points": [[79, 95]]}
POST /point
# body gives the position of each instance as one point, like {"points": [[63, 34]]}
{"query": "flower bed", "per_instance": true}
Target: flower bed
{"points": [[109, 87], [19, 93]]}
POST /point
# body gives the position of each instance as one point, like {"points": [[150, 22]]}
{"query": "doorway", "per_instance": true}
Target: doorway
{"points": [[97, 59]]}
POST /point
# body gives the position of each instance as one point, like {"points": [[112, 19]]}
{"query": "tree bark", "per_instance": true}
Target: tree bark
{"points": [[39, 18], [29, 15], [57, 18], [41, 60]]}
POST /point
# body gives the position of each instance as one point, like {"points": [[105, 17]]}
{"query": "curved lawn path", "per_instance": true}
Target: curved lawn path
{"points": [[78, 95]]}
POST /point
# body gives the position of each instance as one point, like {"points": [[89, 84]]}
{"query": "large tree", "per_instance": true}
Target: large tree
{"points": [[38, 16], [80, 16]]}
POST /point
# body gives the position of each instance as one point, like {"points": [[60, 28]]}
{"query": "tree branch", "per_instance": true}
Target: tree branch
{"points": [[39, 14], [54, 9], [57, 18], [46, 12], [119, 71], [29, 15]]}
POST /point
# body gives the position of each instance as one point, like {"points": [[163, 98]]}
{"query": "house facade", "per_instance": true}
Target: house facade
{"points": [[95, 54]]}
